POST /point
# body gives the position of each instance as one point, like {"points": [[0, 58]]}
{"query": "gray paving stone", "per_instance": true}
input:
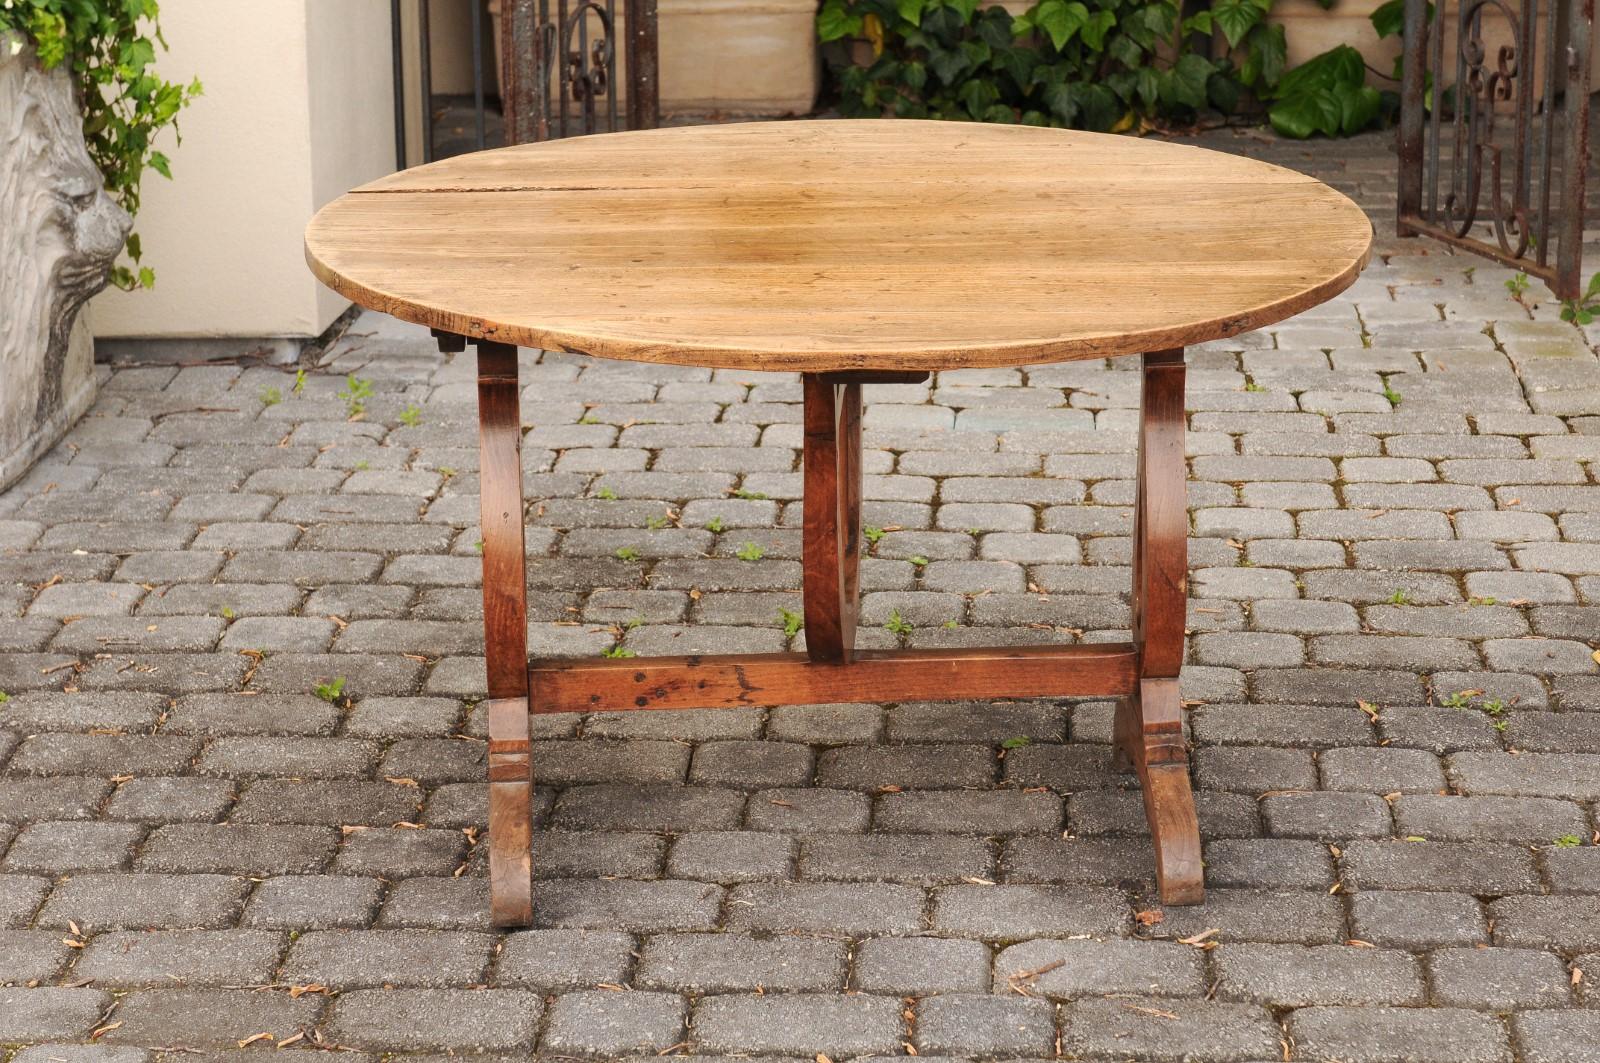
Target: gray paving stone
{"points": [[563, 959], [1558, 1036], [819, 907], [20, 897], [1569, 922], [733, 962], [371, 958], [312, 902], [1268, 863], [1417, 921], [32, 956], [1399, 1035], [1514, 819], [69, 846], [1439, 731], [997, 812], [210, 1018], [48, 1013], [1426, 865], [1498, 979], [237, 848], [1291, 917], [411, 1020], [608, 1023], [181, 957], [1326, 816], [1164, 1031], [112, 902], [1381, 770], [731, 856], [798, 1023], [1067, 970], [68, 1053], [1299, 976], [985, 1024], [908, 858], [666, 904], [1017, 912]]}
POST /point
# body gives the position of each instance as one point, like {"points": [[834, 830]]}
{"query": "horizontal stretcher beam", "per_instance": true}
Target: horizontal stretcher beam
{"points": [[767, 679]]}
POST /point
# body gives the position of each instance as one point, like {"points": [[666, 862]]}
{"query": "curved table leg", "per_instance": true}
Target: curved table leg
{"points": [[831, 504], [505, 630], [1149, 723]]}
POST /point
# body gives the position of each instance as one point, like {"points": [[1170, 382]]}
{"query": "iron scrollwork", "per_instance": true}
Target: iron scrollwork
{"points": [[1457, 171]]}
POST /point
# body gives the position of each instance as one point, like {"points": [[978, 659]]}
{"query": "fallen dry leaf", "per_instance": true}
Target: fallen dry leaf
{"points": [[252, 1039]]}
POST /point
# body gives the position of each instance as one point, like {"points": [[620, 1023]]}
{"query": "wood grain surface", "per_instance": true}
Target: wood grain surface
{"points": [[832, 245]]}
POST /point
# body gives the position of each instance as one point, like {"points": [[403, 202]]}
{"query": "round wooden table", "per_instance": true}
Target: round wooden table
{"points": [[851, 252]]}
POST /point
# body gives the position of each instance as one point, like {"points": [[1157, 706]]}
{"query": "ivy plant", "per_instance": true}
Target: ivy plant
{"points": [[1329, 94], [110, 46], [1104, 65]]}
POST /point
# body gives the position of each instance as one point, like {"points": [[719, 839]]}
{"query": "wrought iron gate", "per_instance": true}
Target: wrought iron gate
{"points": [[1494, 147], [557, 72], [561, 67]]}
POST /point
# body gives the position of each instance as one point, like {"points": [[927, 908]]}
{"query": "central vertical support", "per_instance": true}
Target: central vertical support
{"points": [[505, 636], [831, 548], [1149, 723]]}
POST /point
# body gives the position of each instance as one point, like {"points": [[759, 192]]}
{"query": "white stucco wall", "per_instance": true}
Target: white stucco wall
{"points": [[297, 108]]}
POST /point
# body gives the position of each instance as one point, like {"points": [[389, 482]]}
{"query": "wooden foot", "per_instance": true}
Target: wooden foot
{"points": [[505, 631], [1149, 737], [510, 814]]}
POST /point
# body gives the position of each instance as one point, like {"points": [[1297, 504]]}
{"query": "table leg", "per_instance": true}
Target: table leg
{"points": [[505, 635], [1149, 722], [831, 505]]}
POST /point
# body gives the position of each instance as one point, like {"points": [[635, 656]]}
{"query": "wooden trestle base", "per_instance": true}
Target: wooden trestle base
{"points": [[1143, 673]]}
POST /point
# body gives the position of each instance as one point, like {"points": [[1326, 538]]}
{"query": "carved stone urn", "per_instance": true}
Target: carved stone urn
{"points": [[60, 233]]}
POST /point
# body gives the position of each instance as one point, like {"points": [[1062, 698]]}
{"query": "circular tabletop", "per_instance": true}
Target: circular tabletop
{"points": [[834, 245]]}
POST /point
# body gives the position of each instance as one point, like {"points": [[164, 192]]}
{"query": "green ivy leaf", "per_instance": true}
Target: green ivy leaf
{"points": [[978, 95], [1126, 50], [1390, 18], [1148, 86], [1266, 53], [1187, 83], [1099, 108], [835, 21], [1223, 92], [911, 10], [1062, 99], [948, 64], [1094, 31], [1061, 19], [1235, 18]]}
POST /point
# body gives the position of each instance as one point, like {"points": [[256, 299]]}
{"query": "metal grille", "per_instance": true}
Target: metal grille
{"points": [[1494, 133], [561, 67], [557, 72]]}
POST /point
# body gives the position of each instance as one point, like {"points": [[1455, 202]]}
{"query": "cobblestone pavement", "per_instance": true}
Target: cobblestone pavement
{"points": [[1396, 602]]}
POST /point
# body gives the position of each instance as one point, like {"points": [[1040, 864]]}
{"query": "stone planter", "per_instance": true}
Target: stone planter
{"points": [[59, 235], [1310, 31], [749, 57]]}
